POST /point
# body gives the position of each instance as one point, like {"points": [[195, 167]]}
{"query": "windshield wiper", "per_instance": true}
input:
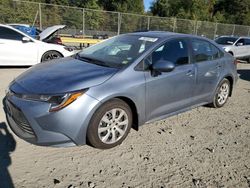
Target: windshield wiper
{"points": [[77, 56], [92, 60]]}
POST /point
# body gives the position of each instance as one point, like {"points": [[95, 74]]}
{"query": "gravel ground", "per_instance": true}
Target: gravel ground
{"points": [[204, 147]]}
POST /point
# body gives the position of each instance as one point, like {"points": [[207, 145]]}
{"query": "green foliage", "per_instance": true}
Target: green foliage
{"points": [[136, 22], [12, 12], [228, 11], [131, 6]]}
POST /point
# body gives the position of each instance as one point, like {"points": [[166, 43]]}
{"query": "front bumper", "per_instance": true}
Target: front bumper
{"points": [[32, 121]]}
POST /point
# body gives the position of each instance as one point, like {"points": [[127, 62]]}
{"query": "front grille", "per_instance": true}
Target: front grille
{"points": [[20, 119]]}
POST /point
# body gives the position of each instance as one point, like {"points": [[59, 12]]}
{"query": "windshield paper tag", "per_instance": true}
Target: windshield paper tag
{"points": [[149, 39]]}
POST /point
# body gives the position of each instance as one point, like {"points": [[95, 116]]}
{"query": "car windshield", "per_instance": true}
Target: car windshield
{"points": [[226, 40], [117, 51]]}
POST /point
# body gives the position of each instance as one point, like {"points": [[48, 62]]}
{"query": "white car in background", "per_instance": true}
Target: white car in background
{"points": [[18, 48], [239, 47]]}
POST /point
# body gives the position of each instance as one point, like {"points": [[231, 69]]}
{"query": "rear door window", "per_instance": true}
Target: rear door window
{"points": [[216, 53], [205, 51]]}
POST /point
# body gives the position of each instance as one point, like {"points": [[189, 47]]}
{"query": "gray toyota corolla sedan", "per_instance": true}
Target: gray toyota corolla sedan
{"points": [[96, 96]]}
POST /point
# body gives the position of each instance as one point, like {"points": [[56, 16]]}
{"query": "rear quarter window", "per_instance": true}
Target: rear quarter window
{"points": [[205, 51]]}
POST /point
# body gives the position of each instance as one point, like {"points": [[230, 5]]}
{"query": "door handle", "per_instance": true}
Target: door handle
{"points": [[190, 73]]}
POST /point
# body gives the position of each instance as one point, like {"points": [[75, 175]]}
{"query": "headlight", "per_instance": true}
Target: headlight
{"points": [[225, 48], [70, 49], [57, 102]]}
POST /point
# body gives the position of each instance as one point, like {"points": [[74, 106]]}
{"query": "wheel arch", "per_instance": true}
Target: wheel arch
{"points": [[130, 102], [231, 80], [231, 52]]}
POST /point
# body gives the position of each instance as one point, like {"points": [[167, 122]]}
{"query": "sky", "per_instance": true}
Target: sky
{"points": [[147, 4]]}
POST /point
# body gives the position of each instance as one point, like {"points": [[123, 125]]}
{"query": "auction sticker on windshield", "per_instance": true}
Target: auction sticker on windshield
{"points": [[149, 39]]}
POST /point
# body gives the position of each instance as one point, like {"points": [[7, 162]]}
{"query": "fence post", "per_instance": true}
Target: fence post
{"points": [[83, 22], [215, 30], [148, 23], [174, 26], [196, 27], [40, 17], [119, 23], [248, 32], [233, 30]]}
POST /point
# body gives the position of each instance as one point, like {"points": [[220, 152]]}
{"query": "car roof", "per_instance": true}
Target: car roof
{"points": [[233, 36], [11, 27], [158, 34], [16, 24], [165, 34], [8, 26]]}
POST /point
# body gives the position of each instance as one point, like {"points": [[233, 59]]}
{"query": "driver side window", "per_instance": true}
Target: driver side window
{"points": [[175, 51], [6, 33]]}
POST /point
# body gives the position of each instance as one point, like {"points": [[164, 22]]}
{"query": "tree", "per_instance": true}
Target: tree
{"points": [[160, 8], [131, 6], [235, 11], [192, 9], [229, 11]]}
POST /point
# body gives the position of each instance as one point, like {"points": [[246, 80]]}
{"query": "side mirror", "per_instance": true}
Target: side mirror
{"points": [[163, 66], [239, 44], [26, 39]]}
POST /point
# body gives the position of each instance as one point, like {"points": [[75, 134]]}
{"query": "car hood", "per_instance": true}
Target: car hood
{"points": [[50, 31], [61, 76]]}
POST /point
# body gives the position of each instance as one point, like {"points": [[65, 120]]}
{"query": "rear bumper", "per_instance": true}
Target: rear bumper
{"points": [[67, 127]]}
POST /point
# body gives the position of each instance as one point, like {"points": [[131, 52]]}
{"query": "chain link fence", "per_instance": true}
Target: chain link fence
{"points": [[81, 21]]}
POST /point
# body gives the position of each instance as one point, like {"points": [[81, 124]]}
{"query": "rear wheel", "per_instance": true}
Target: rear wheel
{"points": [[221, 94], [110, 124], [51, 55]]}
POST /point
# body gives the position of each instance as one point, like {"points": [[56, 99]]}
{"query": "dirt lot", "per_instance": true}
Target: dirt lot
{"points": [[204, 147]]}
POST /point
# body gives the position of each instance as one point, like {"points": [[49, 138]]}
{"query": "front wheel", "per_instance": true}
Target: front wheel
{"points": [[50, 55], [221, 94], [110, 124]]}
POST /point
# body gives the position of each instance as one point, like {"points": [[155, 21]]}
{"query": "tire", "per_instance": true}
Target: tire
{"points": [[104, 131], [50, 55], [222, 94]]}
